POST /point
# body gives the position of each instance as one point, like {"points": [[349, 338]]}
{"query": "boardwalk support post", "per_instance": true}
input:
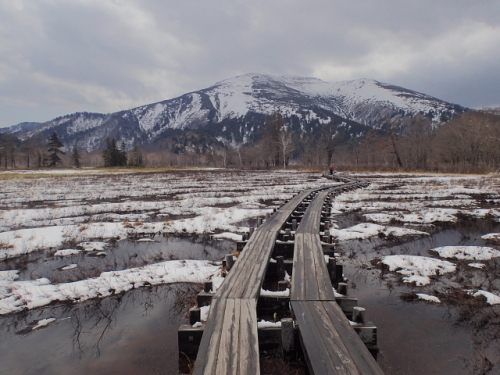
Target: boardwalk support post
{"points": [[282, 285], [280, 267], [229, 261], [358, 314], [342, 288], [287, 335], [332, 269], [207, 287], [194, 315]]}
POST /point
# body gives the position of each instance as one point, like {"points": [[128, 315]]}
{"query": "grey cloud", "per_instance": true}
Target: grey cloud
{"points": [[89, 55]]}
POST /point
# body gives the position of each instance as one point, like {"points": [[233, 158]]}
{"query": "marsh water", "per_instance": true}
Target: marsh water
{"points": [[132, 333], [136, 333], [417, 337]]}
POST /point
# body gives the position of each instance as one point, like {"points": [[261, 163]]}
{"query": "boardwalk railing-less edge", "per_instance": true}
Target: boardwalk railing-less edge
{"points": [[330, 342]]}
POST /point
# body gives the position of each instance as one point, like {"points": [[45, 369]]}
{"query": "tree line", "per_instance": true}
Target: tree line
{"points": [[467, 144]]}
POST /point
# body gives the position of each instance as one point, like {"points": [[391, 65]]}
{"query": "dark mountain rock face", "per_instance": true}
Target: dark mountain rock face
{"points": [[234, 110]]}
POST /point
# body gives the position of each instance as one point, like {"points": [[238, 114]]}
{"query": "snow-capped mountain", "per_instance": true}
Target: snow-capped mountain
{"points": [[235, 109]]}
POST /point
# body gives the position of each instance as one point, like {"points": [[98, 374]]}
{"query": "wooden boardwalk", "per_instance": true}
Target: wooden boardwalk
{"points": [[230, 340], [229, 344], [310, 278], [328, 340]]}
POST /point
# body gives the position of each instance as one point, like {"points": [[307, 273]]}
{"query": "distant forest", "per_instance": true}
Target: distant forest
{"points": [[470, 143]]}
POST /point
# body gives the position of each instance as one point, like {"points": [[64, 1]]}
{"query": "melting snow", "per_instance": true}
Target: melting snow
{"points": [[467, 252], [417, 269], [43, 322], [428, 297], [477, 265], [28, 294], [69, 267], [270, 293], [494, 237], [66, 252], [491, 298], [367, 230], [266, 324]]}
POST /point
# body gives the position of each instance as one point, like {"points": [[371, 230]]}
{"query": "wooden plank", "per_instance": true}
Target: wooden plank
{"points": [[311, 292], [331, 344], [247, 267], [229, 331], [254, 284], [298, 282], [235, 349], [251, 283], [319, 358], [364, 361], [284, 212], [253, 268], [249, 358], [324, 283], [209, 346], [236, 279]]}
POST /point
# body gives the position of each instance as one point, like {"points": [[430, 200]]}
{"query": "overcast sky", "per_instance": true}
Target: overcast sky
{"points": [[62, 56]]}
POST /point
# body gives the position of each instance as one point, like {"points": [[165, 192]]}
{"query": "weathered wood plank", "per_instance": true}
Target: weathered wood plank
{"points": [[257, 278], [311, 291], [298, 282], [323, 279], [318, 348], [209, 346], [249, 341], [364, 361], [331, 344], [235, 280], [229, 332]]}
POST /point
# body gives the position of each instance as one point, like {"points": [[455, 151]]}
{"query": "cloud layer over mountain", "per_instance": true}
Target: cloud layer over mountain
{"points": [[61, 56]]}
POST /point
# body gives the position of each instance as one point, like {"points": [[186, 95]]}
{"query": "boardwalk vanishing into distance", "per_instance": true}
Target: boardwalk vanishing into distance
{"points": [[328, 341]]}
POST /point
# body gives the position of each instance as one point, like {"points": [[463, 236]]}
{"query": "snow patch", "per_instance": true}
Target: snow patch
{"points": [[467, 252], [428, 297], [417, 269]]}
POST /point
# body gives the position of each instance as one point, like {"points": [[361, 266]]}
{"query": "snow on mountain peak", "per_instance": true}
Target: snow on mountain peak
{"points": [[245, 100]]}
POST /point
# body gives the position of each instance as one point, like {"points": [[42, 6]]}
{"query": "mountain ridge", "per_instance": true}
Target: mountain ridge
{"points": [[234, 109]]}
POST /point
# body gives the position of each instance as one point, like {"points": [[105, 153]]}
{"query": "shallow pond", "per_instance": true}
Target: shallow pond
{"points": [[133, 333], [416, 337], [120, 255]]}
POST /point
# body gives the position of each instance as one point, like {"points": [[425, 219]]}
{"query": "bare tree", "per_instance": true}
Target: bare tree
{"points": [[285, 144]]}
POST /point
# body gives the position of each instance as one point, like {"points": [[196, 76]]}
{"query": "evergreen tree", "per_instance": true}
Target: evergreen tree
{"points": [[122, 155], [54, 148], [113, 156], [75, 156]]}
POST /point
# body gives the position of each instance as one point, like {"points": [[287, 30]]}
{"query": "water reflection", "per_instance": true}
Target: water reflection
{"points": [[459, 336], [130, 334], [120, 255]]}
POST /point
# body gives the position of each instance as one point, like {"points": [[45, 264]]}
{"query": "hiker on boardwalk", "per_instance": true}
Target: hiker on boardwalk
{"points": [[332, 168]]}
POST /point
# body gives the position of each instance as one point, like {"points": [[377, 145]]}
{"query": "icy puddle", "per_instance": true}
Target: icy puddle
{"points": [[416, 333]]}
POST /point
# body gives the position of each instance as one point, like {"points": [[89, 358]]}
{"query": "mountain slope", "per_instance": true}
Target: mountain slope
{"points": [[235, 109]]}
